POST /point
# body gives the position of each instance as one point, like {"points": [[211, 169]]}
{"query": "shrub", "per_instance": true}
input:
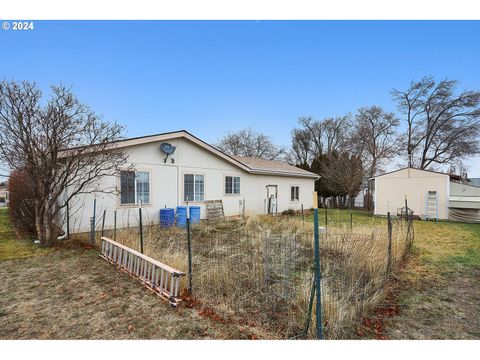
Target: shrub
{"points": [[288, 212], [21, 209]]}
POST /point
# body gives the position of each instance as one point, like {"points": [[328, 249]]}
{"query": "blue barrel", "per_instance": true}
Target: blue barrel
{"points": [[194, 214], [167, 217], [181, 216]]}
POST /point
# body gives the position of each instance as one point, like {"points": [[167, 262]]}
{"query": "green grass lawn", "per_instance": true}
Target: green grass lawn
{"points": [[440, 293], [339, 217], [12, 247]]}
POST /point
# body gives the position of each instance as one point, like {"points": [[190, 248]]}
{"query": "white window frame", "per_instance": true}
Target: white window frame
{"points": [[136, 203], [194, 194], [298, 193], [233, 181]]}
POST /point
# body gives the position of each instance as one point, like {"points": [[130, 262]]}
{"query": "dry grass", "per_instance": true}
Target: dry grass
{"points": [[260, 270], [70, 293], [73, 294]]}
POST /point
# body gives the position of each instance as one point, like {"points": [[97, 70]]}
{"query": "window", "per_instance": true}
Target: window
{"points": [[143, 187], [232, 184], [294, 193], [134, 187], [193, 187]]}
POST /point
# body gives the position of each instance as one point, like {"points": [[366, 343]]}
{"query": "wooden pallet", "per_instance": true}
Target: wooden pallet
{"points": [[214, 209]]}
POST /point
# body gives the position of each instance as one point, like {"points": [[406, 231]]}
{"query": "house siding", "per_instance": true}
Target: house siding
{"points": [[166, 187]]}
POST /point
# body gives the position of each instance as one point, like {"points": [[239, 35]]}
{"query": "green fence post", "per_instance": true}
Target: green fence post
{"points": [[114, 225], [140, 229], [189, 241], [103, 221], [92, 231], [326, 217], [68, 220], [309, 313], [389, 260], [318, 312], [94, 226]]}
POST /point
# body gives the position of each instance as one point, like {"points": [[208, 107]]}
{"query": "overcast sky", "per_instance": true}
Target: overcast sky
{"points": [[211, 77]]}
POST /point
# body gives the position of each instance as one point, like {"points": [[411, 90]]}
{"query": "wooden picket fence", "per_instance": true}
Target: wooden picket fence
{"points": [[158, 277]]}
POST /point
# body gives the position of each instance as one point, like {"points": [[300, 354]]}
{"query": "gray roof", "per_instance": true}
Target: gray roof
{"points": [[271, 166]]}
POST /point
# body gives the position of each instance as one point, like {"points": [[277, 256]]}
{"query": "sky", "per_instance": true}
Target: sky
{"points": [[211, 77]]}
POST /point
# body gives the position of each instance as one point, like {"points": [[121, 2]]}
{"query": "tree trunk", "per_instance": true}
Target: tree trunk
{"points": [[49, 224], [39, 222]]}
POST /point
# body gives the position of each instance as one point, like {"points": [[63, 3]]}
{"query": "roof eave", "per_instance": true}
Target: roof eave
{"points": [[284, 173]]}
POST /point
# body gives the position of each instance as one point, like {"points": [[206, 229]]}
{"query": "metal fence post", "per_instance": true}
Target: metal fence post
{"points": [[309, 313], [409, 225], [351, 221], [303, 217], [94, 212], [326, 217], [243, 209], [140, 228], [389, 225], [103, 221], [92, 230], [189, 242], [114, 225], [68, 220], [318, 310]]}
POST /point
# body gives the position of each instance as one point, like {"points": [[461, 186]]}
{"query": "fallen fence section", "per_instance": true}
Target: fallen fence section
{"points": [[161, 278]]}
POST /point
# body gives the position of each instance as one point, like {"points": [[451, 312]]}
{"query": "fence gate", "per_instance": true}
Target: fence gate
{"points": [[161, 278]]}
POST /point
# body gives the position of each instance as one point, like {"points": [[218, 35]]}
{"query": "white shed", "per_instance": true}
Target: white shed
{"points": [[195, 171], [453, 200]]}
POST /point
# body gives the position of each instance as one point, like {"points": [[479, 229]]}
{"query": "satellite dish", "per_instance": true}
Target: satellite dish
{"points": [[167, 149]]}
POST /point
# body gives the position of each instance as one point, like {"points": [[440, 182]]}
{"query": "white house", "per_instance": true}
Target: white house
{"points": [[449, 197], [194, 171], [3, 195]]}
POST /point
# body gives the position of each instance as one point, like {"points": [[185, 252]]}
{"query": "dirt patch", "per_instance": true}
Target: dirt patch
{"points": [[210, 313]]}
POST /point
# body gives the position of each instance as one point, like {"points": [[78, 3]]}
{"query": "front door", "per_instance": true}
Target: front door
{"points": [[271, 200]]}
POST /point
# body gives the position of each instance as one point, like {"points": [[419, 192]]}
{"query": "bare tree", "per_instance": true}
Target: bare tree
{"points": [[323, 136], [313, 131], [248, 142], [337, 133], [375, 137], [301, 151], [443, 126], [62, 145]]}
